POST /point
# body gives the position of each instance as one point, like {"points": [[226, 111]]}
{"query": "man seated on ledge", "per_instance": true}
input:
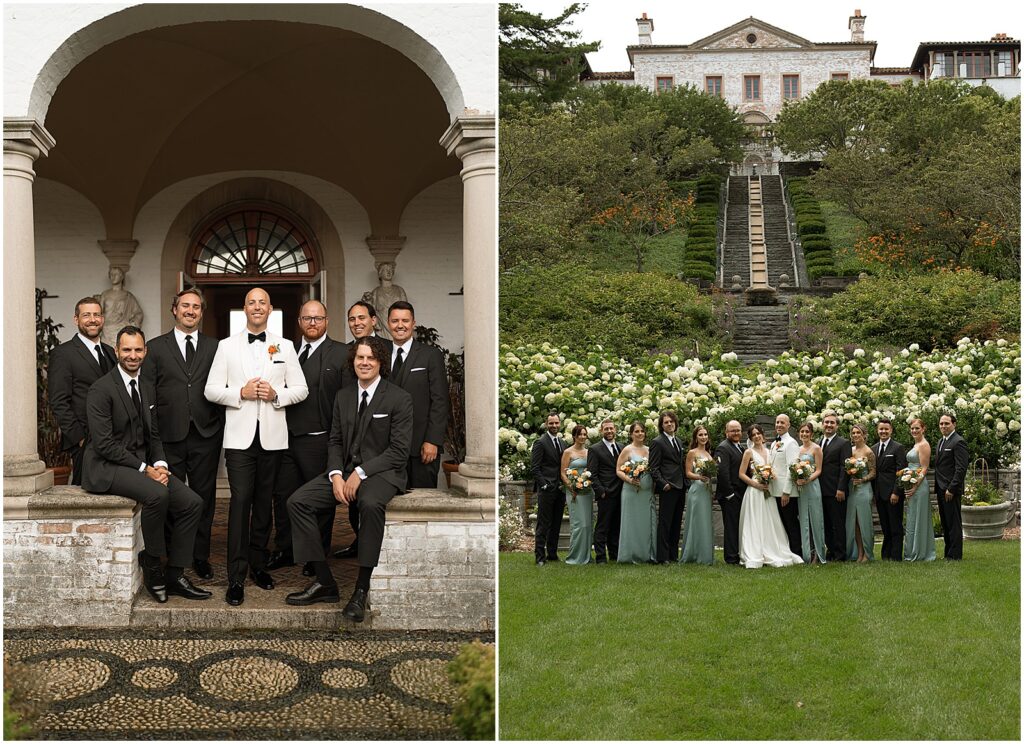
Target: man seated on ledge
{"points": [[124, 456], [367, 460]]}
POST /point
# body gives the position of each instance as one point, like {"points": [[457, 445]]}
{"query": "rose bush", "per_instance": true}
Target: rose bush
{"points": [[977, 380]]}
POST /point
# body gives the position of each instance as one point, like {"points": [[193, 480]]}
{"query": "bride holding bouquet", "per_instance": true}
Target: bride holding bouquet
{"points": [[763, 539]]}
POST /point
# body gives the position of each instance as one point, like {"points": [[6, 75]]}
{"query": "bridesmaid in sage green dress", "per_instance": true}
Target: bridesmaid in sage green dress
{"points": [[639, 523], [581, 501], [860, 530], [919, 540], [698, 532], [812, 517]]}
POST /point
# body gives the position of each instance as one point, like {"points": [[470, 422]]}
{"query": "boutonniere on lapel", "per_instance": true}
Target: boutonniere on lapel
{"points": [[272, 350], [779, 444]]}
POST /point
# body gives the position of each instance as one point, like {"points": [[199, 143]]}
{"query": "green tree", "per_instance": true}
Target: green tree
{"points": [[641, 216], [833, 117]]}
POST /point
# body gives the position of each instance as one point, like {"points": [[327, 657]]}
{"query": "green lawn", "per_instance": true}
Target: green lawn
{"points": [[884, 651], [844, 231], [612, 253]]}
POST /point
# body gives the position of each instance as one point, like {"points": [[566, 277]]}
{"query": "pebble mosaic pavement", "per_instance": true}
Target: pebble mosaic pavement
{"points": [[148, 684]]}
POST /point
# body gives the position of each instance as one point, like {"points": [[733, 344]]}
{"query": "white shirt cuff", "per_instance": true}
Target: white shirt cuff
{"points": [[330, 475], [142, 468], [160, 464], [362, 474]]}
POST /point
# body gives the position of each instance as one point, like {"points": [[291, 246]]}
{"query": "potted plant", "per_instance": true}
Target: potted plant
{"points": [[48, 441], [455, 436], [983, 510]]}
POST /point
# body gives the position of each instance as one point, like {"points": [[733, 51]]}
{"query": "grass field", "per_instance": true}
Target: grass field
{"points": [[884, 651], [844, 231]]}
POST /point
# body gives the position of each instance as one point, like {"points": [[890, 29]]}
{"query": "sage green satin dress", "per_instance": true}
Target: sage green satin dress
{"points": [[698, 532], [919, 537], [858, 510], [812, 517], [581, 519], [638, 527]]}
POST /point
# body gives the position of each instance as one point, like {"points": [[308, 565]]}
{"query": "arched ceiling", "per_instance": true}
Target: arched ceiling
{"points": [[154, 108]]}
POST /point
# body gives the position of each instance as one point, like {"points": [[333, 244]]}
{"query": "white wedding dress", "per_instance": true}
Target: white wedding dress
{"points": [[763, 539]]}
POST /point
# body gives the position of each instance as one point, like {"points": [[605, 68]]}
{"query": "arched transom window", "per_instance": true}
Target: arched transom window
{"points": [[252, 242]]}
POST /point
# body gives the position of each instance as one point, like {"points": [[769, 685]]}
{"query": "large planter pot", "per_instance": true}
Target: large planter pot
{"points": [[61, 475], [985, 522], [449, 467]]}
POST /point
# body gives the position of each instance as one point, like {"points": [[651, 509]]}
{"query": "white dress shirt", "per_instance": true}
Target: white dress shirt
{"points": [[313, 345], [405, 352], [369, 390], [127, 378]]}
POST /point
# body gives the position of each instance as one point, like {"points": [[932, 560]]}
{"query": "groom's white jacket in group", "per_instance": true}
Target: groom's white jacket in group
{"points": [[784, 452]]}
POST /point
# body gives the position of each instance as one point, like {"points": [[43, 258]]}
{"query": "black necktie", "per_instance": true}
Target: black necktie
{"points": [[102, 359], [738, 448], [305, 353], [398, 363], [881, 450], [261, 336], [558, 444], [363, 403], [136, 399], [190, 352], [615, 450], [675, 445]]}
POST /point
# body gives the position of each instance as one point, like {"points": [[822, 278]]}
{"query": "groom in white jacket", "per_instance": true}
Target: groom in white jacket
{"points": [[784, 452]]}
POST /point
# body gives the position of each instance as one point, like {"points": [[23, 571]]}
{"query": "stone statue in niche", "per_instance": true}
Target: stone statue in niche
{"points": [[120, 308], [383, 295]]}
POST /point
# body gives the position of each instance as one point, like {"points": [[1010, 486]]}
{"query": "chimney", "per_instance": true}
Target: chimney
{"points": [[644, 27], [857, 27]]}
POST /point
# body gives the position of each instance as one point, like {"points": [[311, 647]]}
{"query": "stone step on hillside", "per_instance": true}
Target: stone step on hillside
{"points": [[761, 332], [736, 250], [780, 253]]}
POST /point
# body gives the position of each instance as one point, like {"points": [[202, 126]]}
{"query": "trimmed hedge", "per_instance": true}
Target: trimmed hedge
{"points": [[810, 226], [700, 250]]}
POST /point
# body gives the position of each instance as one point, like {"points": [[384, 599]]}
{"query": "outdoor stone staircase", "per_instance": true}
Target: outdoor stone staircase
{"points": [[776, 233], [755, 219], [736, 251], [760, 332]]}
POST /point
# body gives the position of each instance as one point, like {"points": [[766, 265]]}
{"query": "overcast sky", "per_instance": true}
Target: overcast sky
{"points": [[898, 26]]}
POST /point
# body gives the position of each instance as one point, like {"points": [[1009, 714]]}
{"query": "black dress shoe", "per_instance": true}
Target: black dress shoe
{"points": [[203, 569], [356, 608], [182, 587], [262, 579], [350, 552], [153, 577], [308, 570], [315, 592], [279, 559], [235, 594]]}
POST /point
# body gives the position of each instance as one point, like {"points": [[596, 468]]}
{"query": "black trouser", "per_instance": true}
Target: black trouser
{"points": [[306, 506], [890, 518], [671, 504], [952, 527], [251, 476], [550, 505], [790, 515], [606, 533], [158, 502], [731, 527], [75, 453], [304, 460], [194, 460], [423, 476], [835, 527]]}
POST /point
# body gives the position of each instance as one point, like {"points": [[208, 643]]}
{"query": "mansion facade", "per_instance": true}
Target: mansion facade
{"points": [[757, 67]]}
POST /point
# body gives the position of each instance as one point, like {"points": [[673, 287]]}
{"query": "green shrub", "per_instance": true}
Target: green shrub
{"points": [[699, 270], [817, 241], [472, 672], [702, 231], [682, 188], [703, 254], [816, 272], [708, 197], [819, 259], [700, 244], [810, 227], [816, 249]]}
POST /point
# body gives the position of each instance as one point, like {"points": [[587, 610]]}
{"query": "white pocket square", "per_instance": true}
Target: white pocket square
{"points": [[380, 415], [417, 369]]}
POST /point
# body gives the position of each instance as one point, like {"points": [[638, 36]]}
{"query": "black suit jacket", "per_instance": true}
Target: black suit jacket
{"points": [[72, 371], [379, 441], [885, 482], [666, 464], [179, 394], [833, 473], [951, 466], [601, 465], [117, 435], [324, 370], [546, 464], [728, 459], [423, 376]]}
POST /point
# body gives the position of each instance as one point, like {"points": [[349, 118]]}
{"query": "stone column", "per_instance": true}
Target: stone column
{"points": [[24, 473], [471, 137]]}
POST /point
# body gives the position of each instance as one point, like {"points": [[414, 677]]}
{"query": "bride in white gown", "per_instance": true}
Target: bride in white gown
{"points": [[763, 539]]}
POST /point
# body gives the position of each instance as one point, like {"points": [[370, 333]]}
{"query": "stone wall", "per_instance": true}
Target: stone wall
{"points": [[437, 565], [69, 559]]}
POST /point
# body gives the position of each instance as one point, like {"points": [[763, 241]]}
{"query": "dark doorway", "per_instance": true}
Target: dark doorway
{"points": [[221, 299]]}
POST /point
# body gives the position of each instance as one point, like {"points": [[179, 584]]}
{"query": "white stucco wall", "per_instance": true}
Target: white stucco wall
{"points": [[456, 45]]}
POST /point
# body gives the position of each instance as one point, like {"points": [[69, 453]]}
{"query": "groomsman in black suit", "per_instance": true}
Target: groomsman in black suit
{"points": [[419, 370], [74, 366], [890, 456], [667, 455], [834, 481], [546, 466], [730, 489], [601, 459], [124, 456], [367, 461], [191, 427], [324, 363], [951, 461]]}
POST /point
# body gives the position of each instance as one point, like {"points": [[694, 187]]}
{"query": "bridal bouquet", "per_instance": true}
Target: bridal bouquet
{"points": [[577, 479], [764, 474], [857, 467], [634, 468], [910, 475], [706, 467], [801, 469]]}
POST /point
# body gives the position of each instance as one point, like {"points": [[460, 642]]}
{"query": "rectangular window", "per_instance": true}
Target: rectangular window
{"points": [[664, 84], [1004, 64], [840, 76], [751, 87], [977, 64], [713, 85], [790, 87]]}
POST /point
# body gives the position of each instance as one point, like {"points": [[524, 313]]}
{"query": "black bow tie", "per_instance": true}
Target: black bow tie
{"points": [[261, 336]]}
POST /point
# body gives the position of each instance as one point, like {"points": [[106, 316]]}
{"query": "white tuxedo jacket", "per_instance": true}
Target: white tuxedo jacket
{"points": [[233, 366], [780, 458]]}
